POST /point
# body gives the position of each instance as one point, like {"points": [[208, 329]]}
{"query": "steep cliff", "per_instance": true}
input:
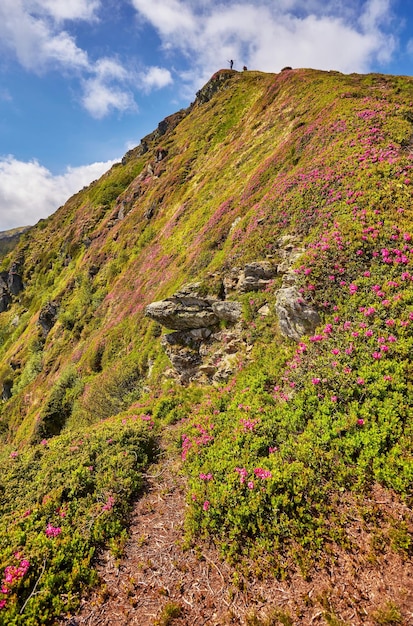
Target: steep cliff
{"points": [[270, 226]]}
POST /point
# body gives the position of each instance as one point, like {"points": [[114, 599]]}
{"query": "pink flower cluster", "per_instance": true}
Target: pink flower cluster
{"points": [[262, 473], [186, 446], [145, 417], [12, 574], [243, 473], [248, 425], [53, 531], [206, 476], [108, 506]]}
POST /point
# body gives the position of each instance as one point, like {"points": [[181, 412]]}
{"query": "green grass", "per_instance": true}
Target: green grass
{"points": [[318, 155]]}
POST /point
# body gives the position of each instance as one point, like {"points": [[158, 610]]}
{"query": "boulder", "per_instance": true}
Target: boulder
{"points": [[289, 249], [194, 312], [182, 313], [296, 317], [48, 317], [256, 276], [15, 280], [182, 349], [6, 391], [227, 310], [5, 297]]}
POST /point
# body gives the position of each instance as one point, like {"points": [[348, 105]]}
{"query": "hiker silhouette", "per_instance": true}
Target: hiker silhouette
{"points": [[231, 64]]}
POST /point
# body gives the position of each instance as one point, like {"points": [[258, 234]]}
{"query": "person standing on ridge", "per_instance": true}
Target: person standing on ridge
{"points": [[231, 64]]}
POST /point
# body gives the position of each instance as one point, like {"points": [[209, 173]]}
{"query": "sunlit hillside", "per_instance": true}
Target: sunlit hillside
{"points": [[240, 286]]}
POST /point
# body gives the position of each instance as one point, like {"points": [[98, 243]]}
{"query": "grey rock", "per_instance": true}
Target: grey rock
{"points": [[15, 280], [48, 317], [5, 297], [182, 313], [217, 82], [229, 311], [182, 349], [256, 276], [15, 284], [289, 249], [296, 317], [6, 392], [264, 311]]}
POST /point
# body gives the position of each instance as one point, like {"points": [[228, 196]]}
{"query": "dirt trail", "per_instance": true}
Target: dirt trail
{"points": [[159, 583]]}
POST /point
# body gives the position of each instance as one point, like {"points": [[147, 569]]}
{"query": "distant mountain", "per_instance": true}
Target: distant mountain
{"points": [[237, 295], [9, 239]]}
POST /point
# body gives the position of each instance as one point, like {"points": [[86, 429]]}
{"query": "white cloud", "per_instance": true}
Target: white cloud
{"points": [[268, 35], [40, 45], [156, 78], [36, 44], [61, 10], [168, 16], [100, 98], [107, 68], [29, 191]]}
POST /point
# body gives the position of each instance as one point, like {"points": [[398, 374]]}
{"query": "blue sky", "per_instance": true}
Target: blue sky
{"points": [[82, 81]]}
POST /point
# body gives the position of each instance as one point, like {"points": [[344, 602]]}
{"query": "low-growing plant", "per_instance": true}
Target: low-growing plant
{"points": [[62, 500]]}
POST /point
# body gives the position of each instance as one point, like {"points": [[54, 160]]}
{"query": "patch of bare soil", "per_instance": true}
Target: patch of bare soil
{"points": [[157, 582]]}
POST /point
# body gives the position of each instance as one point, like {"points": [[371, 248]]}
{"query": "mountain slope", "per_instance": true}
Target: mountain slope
{"points": [[285, 202]]}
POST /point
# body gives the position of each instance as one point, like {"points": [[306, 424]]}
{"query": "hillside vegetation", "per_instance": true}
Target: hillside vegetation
{"points": [[286, 438]]}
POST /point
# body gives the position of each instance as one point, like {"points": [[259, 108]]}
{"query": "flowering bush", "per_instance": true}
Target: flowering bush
{"points": [[60, 503]]}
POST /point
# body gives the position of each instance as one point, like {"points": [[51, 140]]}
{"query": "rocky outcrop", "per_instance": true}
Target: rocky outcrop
{"points": [[7, 390], [195, 318], [5, 297], [218, 80], [183, 350], [187, 310], [199, 348], [256, 276], [15, 279], [48, 317], [289, 249], [11, 284], [182, 313], [296, 317]]}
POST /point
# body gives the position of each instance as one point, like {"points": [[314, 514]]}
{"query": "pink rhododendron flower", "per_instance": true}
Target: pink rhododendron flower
{"points": [[262, 473], [53, 531], [108, 506], [206, 505], [242, 474]]}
